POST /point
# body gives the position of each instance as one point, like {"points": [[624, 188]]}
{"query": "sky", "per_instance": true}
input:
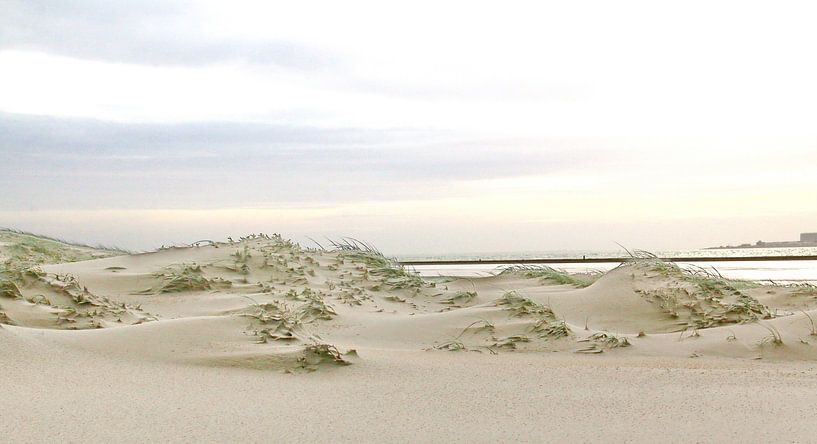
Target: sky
{"points": [[421, 127]]}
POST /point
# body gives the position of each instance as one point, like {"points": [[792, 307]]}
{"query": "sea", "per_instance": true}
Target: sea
{"points": [[778, 271]]}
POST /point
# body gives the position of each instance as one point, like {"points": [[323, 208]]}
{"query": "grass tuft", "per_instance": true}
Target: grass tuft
{"points": [[520, 306], [9, 290], [317, 354], [187, 277], [606, 340], [774, 336], [390, 271], [548, 274]]}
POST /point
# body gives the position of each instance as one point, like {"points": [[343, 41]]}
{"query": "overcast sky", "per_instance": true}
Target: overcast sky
{"points": [[424, 127]]}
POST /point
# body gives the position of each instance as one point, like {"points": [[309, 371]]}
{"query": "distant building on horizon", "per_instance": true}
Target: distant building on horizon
{"points": [[808, 237], [806, 240]]}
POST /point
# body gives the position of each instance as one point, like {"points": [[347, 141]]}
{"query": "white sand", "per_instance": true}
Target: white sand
{"points": [[197, 373]]}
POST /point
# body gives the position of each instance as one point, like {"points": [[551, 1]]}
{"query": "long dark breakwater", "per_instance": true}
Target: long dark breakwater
{"points": [[599, 260]]}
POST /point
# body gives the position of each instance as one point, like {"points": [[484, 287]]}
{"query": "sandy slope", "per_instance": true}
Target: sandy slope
{"points": [[260, 340]]}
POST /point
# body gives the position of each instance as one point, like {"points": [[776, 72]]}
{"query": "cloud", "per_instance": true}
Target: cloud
{"points": [[141, 32], [79, 163]]}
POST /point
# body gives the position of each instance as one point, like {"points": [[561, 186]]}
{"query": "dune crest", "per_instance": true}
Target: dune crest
{"points": [[265, 302]]}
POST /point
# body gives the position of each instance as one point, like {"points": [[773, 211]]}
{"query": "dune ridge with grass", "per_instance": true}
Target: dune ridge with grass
{"points": [[272, 329]]}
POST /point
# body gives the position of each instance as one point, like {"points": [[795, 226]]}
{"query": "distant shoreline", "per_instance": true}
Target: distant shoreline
{"points": [[792, 244]]}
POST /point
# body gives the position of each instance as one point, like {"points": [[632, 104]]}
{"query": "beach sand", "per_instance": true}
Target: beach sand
{"points": [[261, 340]]}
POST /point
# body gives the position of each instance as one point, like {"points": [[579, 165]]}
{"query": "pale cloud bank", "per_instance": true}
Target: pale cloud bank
{"points": [[531, 116]]}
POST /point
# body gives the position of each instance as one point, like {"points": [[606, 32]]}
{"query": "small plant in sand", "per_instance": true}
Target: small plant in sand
{"points": [[391, 272], [316, 309], [456, 344], [393, 298], [187, 277], [352, 296], [701, 298], [460, 298], [317, 354], [548, 274], [478, 326], [520, 306], [708, 280], [9, 290], [607, 340], [23, 250], [547, 328], [4, 319], [773, 338], [813, 328], [279, 321], [452, 345], [243, 255], [508, 342], [804, 289], [38, 299]]}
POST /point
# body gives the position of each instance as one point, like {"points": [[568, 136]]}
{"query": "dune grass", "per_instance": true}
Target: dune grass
{"points": [[187, 277], [279, 322], [509, 342], [699, 297], [607, 340], [42, 237], [520, 306], [804, 289], [708, 280], [9, 290], [390, 271], [813, 327], [550, 274], [317, 354], [551, 329], [774, 337], [460, 298]]}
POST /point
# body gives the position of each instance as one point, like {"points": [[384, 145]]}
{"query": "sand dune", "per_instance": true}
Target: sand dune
{"points": [[345, 345]]}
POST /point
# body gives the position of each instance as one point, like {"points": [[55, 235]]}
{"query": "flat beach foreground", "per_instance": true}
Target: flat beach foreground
{"points": [[261, 340]]}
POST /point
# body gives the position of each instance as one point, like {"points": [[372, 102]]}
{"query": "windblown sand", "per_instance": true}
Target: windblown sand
{"points": [[261, 340]]}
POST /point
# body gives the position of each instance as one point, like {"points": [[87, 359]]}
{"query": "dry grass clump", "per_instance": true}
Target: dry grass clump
{"points": [[699, 297], [508, 342], [4, 319], [695, 309], [89, 306], [603, 340], [318, 354], [306, 294], [548, 274], [460, 298], [279, 322], [187, 277], [520, 306], [774, 337], [389, 271], [708, 281], [24, 249], [9, 290], [804, 289], [545, 324], [456, 344], [316, 309], [351, 296], [551, 329], [452, 345], [813, 329]]}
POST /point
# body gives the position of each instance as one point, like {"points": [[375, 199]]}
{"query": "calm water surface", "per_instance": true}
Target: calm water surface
{"points": [[778, 271]]}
